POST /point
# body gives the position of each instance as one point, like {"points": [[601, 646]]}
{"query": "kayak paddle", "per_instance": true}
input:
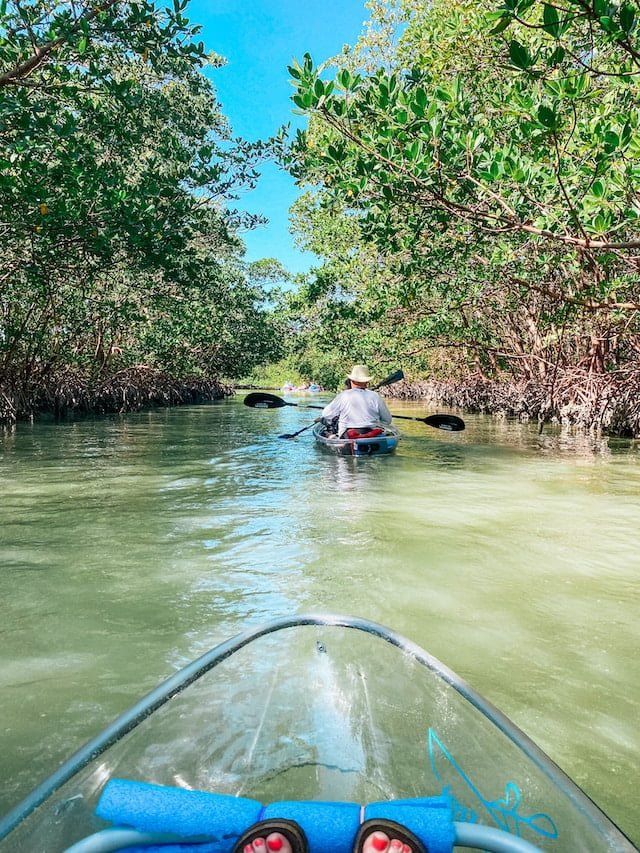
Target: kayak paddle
{"points": [[262, 400], [394, 377], [294, 434], [451, 423]]}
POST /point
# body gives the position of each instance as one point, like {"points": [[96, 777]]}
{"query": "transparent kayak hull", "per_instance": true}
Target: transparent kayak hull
{"points": [[320, 708], [375, 446]]}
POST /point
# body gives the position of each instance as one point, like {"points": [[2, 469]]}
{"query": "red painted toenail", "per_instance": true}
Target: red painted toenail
{"points": [[248, 849], [379, 843], [258, 842], [396, 844], [274, 843]]}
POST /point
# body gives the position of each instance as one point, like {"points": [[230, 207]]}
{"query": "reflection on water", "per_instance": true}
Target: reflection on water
{"points": [[130, 545]]}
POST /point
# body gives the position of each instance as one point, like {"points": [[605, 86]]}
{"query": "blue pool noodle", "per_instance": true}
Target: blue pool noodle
{"points": [[222, 819]]}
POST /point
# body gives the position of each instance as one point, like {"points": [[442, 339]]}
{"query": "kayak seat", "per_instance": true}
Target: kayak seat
{"points": [[362, 432]]}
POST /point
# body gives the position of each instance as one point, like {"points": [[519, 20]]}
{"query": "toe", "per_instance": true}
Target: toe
{"points": [[277, 843], [377, 842]]}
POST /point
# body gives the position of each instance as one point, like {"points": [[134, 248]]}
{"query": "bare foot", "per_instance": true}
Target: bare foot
{"points": [[380, 842], [272, 843]]}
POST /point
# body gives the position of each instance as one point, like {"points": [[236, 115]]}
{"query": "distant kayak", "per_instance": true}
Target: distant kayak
{"points": [[385, 441], [301, 389]]}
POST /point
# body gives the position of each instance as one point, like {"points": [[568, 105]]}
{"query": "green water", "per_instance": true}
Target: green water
{"points": [[130, 545]]}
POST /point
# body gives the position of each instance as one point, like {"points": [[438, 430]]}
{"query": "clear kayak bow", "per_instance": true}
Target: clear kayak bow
{"points": [[322, 708]]}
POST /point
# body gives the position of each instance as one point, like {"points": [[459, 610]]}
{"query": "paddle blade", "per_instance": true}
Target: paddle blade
{"points": [[395, 377], [451, 423], [260, 400]]}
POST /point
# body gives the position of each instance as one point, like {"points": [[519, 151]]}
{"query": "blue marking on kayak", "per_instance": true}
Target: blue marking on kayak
{"points": [[504, 811]]}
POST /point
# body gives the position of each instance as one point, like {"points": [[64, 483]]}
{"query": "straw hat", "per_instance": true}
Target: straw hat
{"points": [[360, 373]]}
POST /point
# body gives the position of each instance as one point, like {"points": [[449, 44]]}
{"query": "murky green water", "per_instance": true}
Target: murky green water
{"points": [[130, 545]]}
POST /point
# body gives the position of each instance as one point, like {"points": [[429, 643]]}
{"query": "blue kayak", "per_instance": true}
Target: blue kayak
{"points": [[322, 719], [364, 446]]}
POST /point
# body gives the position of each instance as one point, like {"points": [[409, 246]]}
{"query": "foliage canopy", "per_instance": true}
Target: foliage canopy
{"points": [[118, 173], [488, 161]]}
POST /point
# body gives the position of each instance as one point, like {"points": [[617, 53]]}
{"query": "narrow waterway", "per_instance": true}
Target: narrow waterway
{"points": [[129, 545]]}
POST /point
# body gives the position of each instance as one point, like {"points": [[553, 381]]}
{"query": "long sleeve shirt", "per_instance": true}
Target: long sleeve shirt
{"points": [[358, 407]]}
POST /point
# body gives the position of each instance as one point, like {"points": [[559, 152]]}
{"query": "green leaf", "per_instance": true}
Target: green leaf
{"points": [[344, 78], [625, 136], [557, 56], [627, 17], [442, 95], [608, 24], [414, 150], [597, 189], [551, 20], [547, 117], [501, 26], [420, 97], [519, 55], [634, 146], [611, 141], [602, 223]]}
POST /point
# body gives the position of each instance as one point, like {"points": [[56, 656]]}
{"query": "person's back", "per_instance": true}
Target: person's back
{"points": [[358, 407]]}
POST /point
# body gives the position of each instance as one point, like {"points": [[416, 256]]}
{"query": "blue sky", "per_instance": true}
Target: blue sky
{"points": [[259, 38]]}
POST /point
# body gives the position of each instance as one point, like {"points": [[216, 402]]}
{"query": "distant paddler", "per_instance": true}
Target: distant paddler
{"points": [[358, 409]]}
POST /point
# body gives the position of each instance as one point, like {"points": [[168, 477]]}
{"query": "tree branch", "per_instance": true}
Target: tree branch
{"points": [[41, 54]]}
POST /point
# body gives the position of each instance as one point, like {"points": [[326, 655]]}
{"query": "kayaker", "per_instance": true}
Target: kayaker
{"points": [[357, 407]]}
